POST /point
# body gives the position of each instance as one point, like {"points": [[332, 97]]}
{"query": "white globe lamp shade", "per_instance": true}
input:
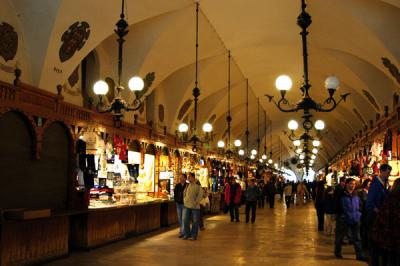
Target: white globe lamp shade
{"points": [[136, 84], [297, 142], [100, 87], [301, 157], [293, 125], [313, 156], [301, 161], [261, 160], [298, 151], [221, 144], [253, 152], [283, 83], [183, 128], [315, 150], [238, 143], [270, 161], [311, 161], [276, 165], [319, 125], [252, 157], [264, 157], [241, 152], [207, 127], [316, 143], [332, 83]]}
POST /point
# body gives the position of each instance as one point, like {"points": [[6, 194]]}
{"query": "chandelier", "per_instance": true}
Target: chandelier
{"points": [[284, 83], [118, 105], [237, 143], [192, 136]]}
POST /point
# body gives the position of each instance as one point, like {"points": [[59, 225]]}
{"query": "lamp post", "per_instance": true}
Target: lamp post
{"points": [[284, 83], [118, 105], [183, 128]]}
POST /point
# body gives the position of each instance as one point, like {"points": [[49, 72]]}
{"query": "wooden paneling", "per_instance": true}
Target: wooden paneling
{"points": [[147, 218], [172, 213], [106, 226], [33, 241], [99, 227]]}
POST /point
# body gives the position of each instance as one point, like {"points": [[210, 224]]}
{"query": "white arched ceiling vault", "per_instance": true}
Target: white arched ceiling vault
{"points": [[348, 38]]}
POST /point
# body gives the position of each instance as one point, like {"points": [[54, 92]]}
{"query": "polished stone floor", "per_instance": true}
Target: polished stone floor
{"points": [[278, 237]]}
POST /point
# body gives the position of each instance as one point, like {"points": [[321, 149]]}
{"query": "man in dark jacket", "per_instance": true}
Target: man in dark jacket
{"points": [[376, 195], [349, 220], [319, 202], [252, 194], [178, 197], [271, 191]]}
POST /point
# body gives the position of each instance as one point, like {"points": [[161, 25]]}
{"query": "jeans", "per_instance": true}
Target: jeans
{"points": [[251, 205], [195, 213], [179, 210], [234, 212], [341, 230]]}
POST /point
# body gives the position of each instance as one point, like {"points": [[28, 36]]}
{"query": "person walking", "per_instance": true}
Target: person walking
{"points": [[301, 190], [271, 191], [349, 220], [178, 198], [233, 194], [363, 194], [330, 210], [386, 230], [261, 197], [288, 194], [204, 205], [319, 202], [252, 194], [192, 196], [376, 196]]}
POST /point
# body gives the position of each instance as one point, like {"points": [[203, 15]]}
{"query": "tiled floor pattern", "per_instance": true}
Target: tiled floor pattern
{"points": [[279, 237]]}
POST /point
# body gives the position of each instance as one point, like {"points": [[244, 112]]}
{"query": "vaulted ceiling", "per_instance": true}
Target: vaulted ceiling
{"points": [[348, 38]]}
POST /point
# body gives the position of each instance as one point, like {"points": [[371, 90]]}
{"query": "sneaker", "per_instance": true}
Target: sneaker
{"points": [[185, 238], [180, 236]]}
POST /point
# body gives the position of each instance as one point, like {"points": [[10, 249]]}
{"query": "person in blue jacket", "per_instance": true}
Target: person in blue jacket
{"points": [[349, 220], [376, 195]]}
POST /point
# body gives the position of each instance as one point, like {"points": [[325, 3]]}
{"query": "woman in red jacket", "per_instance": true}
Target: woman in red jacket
{"points": [[233, 193]]}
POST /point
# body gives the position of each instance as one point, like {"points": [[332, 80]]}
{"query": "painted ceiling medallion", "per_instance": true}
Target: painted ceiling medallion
{"points": [[74, 39], [392, 68], [9, 41]]}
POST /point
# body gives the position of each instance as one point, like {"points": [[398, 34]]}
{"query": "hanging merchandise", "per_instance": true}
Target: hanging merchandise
{"points": [[120, 148]]}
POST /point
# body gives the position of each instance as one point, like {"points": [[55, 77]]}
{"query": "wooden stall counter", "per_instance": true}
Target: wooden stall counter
{"points": [[33, 241], [97, 227], [169, 214]]}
